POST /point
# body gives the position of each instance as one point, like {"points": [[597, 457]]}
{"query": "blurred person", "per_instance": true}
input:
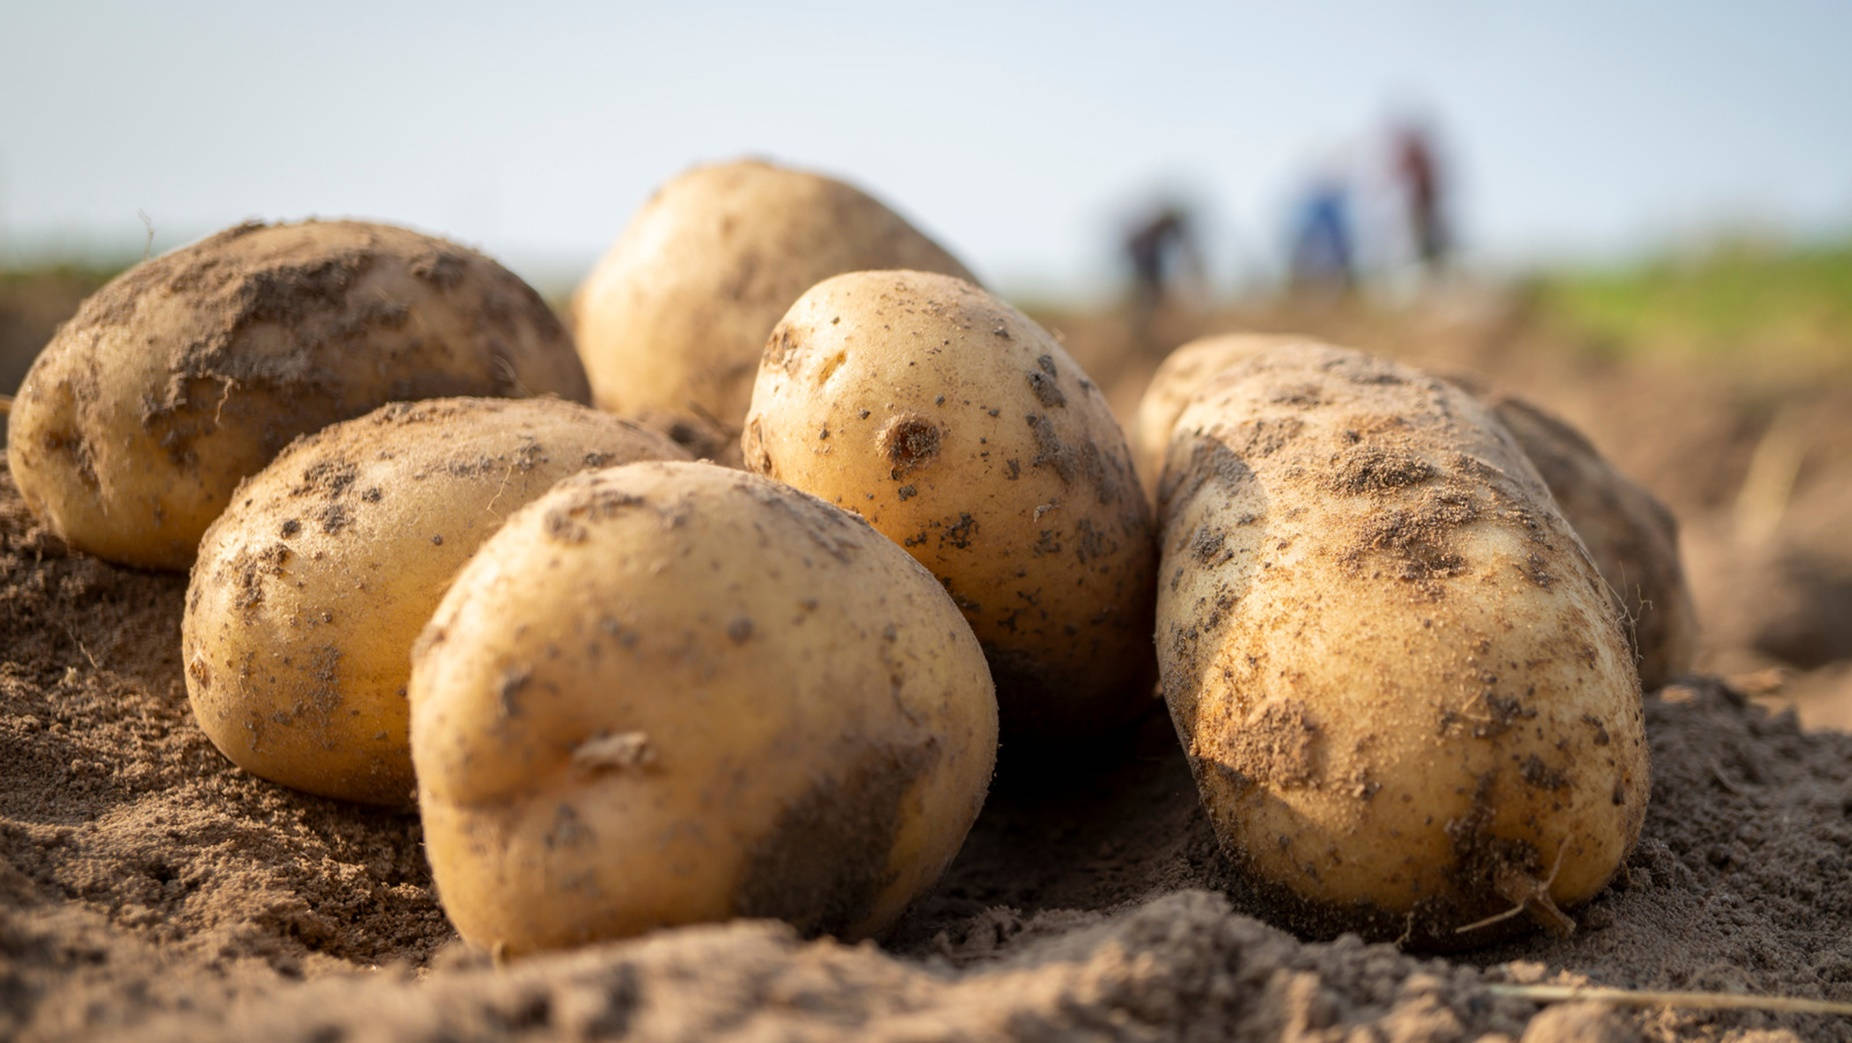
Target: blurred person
{"points": [[1416, 168], [1323, 249], [1160, 250]]}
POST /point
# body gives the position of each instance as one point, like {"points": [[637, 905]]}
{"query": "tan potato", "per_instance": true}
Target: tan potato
{"points": [[673, 693], [191, 371], [1630, 534], [312, 586], [703, 439], [1403, 688], [674, 317], [966, 434], [1182, 373]]}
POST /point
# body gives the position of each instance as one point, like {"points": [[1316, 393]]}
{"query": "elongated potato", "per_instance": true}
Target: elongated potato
{"points": [[673, 319], [673, 693], [1630, 534], [312, 586], [189, 372], [1402, 686], [965, 433], [1183, 373]]}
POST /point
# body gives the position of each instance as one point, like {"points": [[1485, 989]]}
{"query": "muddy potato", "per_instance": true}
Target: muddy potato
{"points": [[675, 693], [1183, 372], [674, 317], [1403, 688], [312, 586], [191, 371], [1629, 533], [964, 433]]}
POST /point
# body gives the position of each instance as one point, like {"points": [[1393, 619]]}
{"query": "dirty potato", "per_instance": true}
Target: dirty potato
{"points": [[672, 320], [191, 371], [673, 693], [1632, 537], [312, 586], [1630, 534], [1182, 373], [965, 433], [1403, 688], [703, 439]]}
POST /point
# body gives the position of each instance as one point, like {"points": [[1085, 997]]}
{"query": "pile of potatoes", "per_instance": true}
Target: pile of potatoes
{"points": [[627, 689]]}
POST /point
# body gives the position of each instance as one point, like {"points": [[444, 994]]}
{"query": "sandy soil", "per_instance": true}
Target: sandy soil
{"points": [[148, 888]]}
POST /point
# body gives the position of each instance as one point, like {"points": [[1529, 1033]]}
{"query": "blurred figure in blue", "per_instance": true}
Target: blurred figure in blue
{"points": [[1323, 254], [1160, 250]]}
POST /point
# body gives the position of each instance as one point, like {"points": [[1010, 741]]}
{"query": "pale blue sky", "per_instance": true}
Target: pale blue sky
{"points": [[1016, 133]]}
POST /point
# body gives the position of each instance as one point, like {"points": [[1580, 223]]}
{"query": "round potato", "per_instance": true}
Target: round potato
{"points": [[1403, 688], [312, 586], [1632, 537], [674, 317], [963, 431], [672, 693], [189, 372]]}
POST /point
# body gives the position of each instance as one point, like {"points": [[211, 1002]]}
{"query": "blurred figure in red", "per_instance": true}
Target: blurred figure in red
{"points": [[1160, 249], [1417, 171]]}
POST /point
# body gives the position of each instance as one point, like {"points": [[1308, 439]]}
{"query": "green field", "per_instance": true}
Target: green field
{"points": [[1783, 311]]}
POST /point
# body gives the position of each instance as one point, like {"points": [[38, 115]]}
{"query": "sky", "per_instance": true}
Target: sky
{"points": [[1021, 136]]}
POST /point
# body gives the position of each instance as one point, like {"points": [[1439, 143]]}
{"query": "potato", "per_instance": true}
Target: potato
{"points": [[703, 439], [1182, 373], [312, 586], [673, 693], [191, 371], [674, 317], [1629, 533], [964, 433], [1402, 686]]}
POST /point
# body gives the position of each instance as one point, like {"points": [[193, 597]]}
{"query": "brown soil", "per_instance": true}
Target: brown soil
{"points": [[151, 887]]}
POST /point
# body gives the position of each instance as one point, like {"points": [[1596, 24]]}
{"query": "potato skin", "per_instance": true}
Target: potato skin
{"points": [[1632, 537], [703, 439], [673, 318], [1630, 534], [190, 371], [313, 585], [963, 432], [1182, 373], [674, 693], [1402, 686]]}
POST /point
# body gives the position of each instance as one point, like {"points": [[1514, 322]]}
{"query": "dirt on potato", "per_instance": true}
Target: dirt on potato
{"points": [[190, 371], [305, 290]]}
